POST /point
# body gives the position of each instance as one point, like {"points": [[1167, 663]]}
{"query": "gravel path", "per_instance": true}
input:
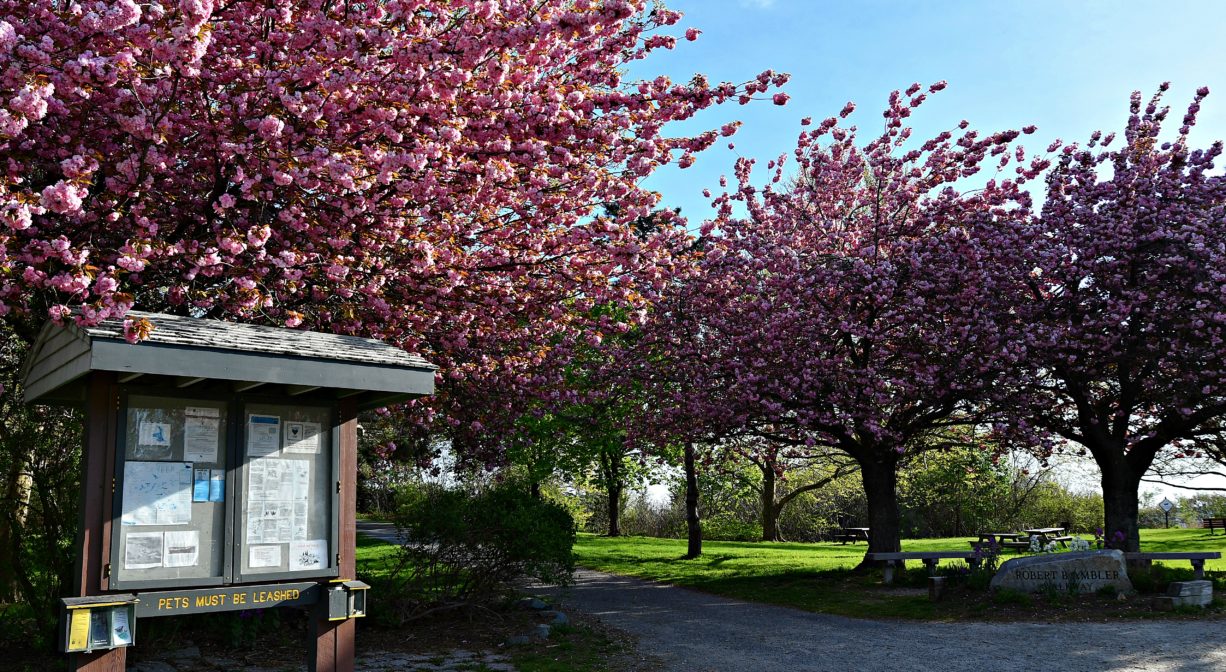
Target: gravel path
{"points": [[696, 632]]}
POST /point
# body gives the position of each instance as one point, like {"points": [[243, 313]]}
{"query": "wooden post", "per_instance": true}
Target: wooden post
{"points": [[94, 530], [333, 640]]}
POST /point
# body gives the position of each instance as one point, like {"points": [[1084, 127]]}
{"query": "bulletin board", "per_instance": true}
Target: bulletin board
{"points": [[170, 492], [222, 491], [287, 524]]}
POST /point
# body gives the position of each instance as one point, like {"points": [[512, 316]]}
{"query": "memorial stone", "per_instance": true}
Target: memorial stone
{"points": [[1084, 572]]}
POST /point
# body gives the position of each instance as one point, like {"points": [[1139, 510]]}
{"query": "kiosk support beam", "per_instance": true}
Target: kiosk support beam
{"points": [[332, 641], [95, 527]]}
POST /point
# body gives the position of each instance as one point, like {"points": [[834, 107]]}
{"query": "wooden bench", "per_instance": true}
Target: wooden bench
{"points": [[929, 558], [1197, 558], [1213, 524]]}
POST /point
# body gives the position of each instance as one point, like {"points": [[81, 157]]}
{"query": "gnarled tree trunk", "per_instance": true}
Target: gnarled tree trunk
{"points": [[879, 472], [1121, 484]]}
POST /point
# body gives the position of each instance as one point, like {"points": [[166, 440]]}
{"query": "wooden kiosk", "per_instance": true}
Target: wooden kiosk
{"points": [[219, 473]]}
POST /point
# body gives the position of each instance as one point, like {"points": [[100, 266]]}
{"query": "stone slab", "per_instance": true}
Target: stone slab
{"points": [[1086, 571], [1190, 589]]}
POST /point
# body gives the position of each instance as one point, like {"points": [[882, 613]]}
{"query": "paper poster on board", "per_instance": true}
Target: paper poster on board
{"points": [[302, 437], [154, 434], [200, 485], [217, 486], [143, 550], [304, 555], [277, 495], [152, 438], [200, 438], [263, 556], [157, 493], [263, 435], [181, 548]]}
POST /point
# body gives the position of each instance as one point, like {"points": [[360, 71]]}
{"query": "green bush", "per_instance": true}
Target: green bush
{"points": [[729, 528], [467, 549]]}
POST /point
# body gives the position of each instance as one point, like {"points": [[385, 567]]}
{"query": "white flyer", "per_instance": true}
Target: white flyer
{"points": [[154, 434], [200, 438], [263, 435], [143, 550], [302, 437], [263, 556], [301, 483], [277, 495], [157, 493], [181, 549], [300, 521], [304, 555], [202, 411]]}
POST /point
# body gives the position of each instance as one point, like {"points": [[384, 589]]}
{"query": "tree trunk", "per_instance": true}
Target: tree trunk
{"points": [[615, 509], [880, 475], [693, 524], [535, 490], [1120, 486], [13, 512], [770, 512], [611, 474]]}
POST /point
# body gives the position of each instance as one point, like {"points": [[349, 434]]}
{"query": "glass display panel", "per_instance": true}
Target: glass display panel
{"points": [[285, 518], [171, 485]]}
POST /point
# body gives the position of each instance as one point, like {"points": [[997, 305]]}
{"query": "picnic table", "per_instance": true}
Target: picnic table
{"points": [[852, 534], [1049, 534], [1002, 540]]}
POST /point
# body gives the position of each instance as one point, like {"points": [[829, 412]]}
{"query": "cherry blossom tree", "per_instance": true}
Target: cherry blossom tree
{"points": [[777, 462], [1126, 315], [863, 303], [419, 171]]}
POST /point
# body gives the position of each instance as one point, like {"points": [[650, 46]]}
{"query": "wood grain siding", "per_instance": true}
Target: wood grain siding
{"points": [[60, 356], [334, 640], [94, 532], [349, 488]]}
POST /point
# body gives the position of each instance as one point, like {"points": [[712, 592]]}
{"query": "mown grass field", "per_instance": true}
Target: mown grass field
{"points": [[816, 577]]}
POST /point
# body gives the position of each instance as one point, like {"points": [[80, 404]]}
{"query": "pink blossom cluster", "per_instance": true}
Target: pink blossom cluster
{"points": [[420, 171]]}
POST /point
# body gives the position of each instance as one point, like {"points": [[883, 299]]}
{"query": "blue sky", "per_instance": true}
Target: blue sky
{"points": [[1068, 67]]}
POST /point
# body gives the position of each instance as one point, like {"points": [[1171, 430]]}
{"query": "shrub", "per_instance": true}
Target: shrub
{"points": [[468, 549], [729, 528], [1010, 596]]}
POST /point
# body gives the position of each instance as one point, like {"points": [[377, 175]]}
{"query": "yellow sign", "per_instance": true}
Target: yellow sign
{"points": [[78, 630]]}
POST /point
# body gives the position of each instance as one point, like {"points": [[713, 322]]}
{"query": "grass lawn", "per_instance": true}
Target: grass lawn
{"points": [[815, 577]]}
